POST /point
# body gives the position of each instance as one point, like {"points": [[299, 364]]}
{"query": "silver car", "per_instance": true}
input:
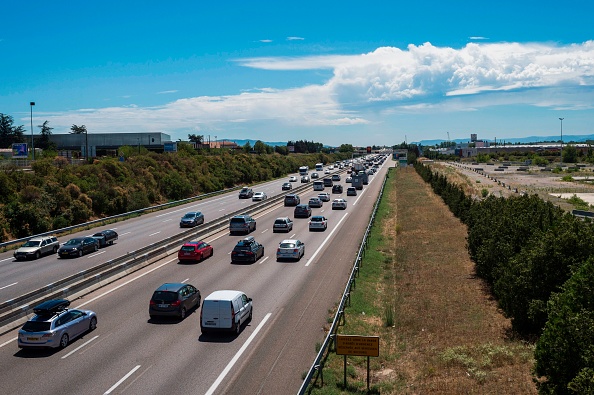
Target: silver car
{"points": [[36, 247], [54, 325], [290, 249]]}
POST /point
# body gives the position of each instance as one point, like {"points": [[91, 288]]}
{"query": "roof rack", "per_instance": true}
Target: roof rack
{"points": [[51, 307]]}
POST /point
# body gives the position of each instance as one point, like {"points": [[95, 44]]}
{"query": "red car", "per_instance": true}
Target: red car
{"points": [[195, 251]]}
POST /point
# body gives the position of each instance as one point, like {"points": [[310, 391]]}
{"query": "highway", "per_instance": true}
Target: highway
{"points": [[130, 354]]}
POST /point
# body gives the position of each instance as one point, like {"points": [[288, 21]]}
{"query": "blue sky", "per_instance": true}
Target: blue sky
{"points": [[334, 72]]}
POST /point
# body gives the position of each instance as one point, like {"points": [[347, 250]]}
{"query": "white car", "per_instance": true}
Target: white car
{"points": [[339, 204], [290, 249], [259, 196], [318, 222], [324, 196], [293, 179]]}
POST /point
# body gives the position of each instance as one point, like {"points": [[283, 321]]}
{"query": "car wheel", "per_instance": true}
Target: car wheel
{"points": [[250, 316], [182, 313], [237, 328], [64, 341], [55, 250], [96, 247], [93, 324], [254, 226], [80, 253], [37, 255]]}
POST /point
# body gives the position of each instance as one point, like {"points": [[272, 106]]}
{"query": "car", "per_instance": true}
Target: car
{"points": [[292, 199], [287, 186], [336, 177], [328, 182], [54, 325], [331, 167], [78, 246], [106, 237], [339, 204], [337, 188], [315, 202], [302, 211], [348, 180], [314, 176], [290, 249], [259, 196], [326, 171], [318, 222], [194, 251], [242, 224], [351, 191], [246, 193], [324, 196], [174, 300], [247, 250], [36, 247], [305, 179], [293, 179], [193, 218], [282, 224], [226, 311]]}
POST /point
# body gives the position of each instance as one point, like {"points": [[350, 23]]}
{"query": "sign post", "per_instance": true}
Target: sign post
{"points": [[363, 346]]}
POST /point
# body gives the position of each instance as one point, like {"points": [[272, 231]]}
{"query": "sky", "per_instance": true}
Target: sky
{"points": [[334, 72]]}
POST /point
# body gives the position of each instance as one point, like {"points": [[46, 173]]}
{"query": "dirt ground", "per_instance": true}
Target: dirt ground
{"points": [[509, 180]]}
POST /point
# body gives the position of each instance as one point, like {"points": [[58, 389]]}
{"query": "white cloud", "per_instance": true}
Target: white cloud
{"points": [[478, 38], [293, 38], [166, 92], [265, 41]]}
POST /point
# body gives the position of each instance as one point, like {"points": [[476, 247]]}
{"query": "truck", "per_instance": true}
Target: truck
{"points": [[303, 170], [357, 181]]}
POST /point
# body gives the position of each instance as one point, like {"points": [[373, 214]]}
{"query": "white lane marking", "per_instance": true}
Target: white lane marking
{"points": [[292, 236], [310, 260], [116, 385], [156, 233], [9, 285], [79, 347], [265, 230], [96, 254], [185, 280], [124, 284], [167, 220], [125, 233], [7, 259], [8, 342], [222, 209], [263, 260], [225, 371]]}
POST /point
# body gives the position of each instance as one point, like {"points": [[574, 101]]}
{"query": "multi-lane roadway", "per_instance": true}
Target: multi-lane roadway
{"points": [[130, 354]]}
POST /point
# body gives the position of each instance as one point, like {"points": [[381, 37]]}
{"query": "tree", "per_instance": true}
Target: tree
{"points": [[74, 129], [247, 147], [8, 133], [196, 138], [43, 140], [260, 147], [570, 154], [346, 148]]}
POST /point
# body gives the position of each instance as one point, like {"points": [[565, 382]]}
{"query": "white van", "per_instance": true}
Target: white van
{"points": [[225, 311], [318, 185]]}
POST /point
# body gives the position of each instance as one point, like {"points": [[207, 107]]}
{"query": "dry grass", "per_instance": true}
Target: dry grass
{"points": [[448, 336]]}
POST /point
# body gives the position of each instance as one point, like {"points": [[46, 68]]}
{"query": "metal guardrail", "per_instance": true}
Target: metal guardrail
{"points": [[92, 278], [329, 344]]}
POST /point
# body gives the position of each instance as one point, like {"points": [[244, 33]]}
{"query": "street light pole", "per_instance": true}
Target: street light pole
{"points": [[32, 139], [561, 119]]}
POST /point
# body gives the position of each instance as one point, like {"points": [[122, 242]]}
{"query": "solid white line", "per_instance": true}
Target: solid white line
{"points": [[156, 233], [310, 260], [113, 387], [185, 280], [79, 347], [124, 284], [9, 285], [94, 255], [225, 371], [8, 342], [7, 259], [265, 230], [262, 260]]}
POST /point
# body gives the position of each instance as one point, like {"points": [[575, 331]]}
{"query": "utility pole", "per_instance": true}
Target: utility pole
{"points": [[32, 139], [561, 119]]}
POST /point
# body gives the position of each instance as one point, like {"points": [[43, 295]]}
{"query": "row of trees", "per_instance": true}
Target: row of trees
{"points": [[57, 194], [538, 261]]}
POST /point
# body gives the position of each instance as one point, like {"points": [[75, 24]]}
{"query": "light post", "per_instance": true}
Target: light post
{"points": [[215, 141], [32, 139], [561, 119], [87, 145]]}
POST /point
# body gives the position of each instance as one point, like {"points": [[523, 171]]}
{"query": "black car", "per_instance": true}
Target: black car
{"points": [[292, 200], [78, 247], [302, 211], [246, 193], [192, 218], [247, 250], [287, 186], [174, 299], [106, 237], [337, 188]]}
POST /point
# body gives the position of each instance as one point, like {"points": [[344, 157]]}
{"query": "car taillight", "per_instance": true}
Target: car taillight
{"points": [[176, 303], [152, 302], [278, 250], [295, 250], [47, 335]]}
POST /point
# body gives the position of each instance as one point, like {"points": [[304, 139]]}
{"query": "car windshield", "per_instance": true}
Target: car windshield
{"points": [[74, 242], [287, 245], [36, 326], [32, 243], [164, 296]]}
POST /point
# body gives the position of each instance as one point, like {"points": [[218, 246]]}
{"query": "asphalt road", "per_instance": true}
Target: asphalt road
{"points": [[129, 354]]}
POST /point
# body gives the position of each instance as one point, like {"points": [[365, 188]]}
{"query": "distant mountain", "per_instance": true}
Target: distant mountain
{"points": [[521, 140]]}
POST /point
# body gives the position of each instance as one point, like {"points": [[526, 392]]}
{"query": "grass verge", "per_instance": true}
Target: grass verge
{"points": [[440, 331]]}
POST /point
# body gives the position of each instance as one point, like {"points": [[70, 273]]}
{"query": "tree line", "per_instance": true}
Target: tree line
{"points": [[539, 264]]}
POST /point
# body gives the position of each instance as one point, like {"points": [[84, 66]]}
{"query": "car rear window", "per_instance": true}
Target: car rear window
{"points": [[36, 326], [280, 222], [237, 220], [316, 219], [242, 248], [164, 296], [187, 248], [287, 245]]}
